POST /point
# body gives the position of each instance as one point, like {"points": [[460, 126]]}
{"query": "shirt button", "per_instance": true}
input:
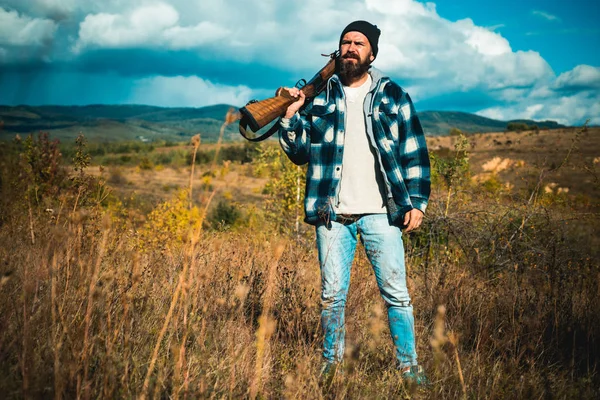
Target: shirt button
{"points": [[337, 169]]}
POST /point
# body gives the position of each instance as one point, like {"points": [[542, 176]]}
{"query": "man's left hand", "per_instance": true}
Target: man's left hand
{"points": [[413, 219]]}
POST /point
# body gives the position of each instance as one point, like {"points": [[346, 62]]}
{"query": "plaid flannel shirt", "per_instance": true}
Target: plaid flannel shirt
{"points": [[316, 137]]}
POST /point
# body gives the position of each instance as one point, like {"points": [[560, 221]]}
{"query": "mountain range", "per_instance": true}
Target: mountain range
{"points": [[148, 123]]}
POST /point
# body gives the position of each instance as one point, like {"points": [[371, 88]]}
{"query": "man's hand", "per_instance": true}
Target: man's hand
{"points": [[413, 219], [295, 106]]}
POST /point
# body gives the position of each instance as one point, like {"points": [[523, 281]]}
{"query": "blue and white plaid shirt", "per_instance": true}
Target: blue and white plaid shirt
{"points": [[316, 137]]}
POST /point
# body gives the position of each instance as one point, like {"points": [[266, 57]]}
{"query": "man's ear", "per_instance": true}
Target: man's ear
{"points": [[371, 57]]}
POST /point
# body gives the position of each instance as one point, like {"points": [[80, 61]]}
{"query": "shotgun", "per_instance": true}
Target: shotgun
{"points": [[258, 114]]}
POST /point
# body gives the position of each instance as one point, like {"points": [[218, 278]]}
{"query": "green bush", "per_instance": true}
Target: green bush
{"points": [[242, 154], [455, 132], [517, 127], [146, 164], [41, 166], [224, 215]]}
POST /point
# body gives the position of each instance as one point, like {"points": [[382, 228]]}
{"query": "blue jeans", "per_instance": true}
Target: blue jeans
{"points": [[385, 250]]}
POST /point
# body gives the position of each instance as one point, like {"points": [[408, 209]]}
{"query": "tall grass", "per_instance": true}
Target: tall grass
{"points": [[506, 295]]}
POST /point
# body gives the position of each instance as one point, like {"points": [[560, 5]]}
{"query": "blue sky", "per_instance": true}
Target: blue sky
{"points": [[509, 59]]}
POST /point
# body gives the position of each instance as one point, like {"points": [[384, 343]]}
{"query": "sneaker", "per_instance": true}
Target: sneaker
{"points": [[415, 375]]}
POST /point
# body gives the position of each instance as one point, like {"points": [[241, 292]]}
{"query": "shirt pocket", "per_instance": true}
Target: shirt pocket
{"points": [[322, 123], [388, 117]]}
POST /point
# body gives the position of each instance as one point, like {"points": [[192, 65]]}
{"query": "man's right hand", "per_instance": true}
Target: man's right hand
{"points": [[295, 106]]}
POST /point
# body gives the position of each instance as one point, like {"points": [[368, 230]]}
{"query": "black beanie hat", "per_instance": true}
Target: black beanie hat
{"points": [[369, 30]]}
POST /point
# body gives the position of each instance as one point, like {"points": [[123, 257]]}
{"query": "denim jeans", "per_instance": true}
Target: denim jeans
{"points": [[385, 250]]}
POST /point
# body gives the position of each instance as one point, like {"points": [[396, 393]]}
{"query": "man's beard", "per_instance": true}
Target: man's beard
{"points": [[351, 71]]}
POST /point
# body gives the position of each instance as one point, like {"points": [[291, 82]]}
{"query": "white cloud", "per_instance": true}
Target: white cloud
{"points": [[416, 43], [576, 109], [147, 26], [143, 26], [236, 30], [542, 103], [441, 56], [580, 77], [204, 33], [402, 7], [570, 99], [190, 91], [495, 27], [22, 30], [485, 41], [545, 15]]}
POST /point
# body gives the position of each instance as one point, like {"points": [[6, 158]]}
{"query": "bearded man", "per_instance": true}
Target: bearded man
{"points": [[368, 176]]}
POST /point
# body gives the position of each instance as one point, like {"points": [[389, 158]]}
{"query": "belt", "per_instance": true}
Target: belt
{"points": [[348, 218]]}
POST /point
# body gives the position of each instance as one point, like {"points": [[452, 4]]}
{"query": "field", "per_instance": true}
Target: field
{"points": [[181, 272]]}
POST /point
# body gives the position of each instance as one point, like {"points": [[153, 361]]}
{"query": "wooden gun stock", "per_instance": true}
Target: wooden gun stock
{"points": [[258, 114]]}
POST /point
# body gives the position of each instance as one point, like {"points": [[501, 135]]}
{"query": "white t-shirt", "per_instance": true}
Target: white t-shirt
{"points": [[361, 187]]}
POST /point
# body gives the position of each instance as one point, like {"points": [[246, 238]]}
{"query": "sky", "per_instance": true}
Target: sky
{"points": [[509, 59]]}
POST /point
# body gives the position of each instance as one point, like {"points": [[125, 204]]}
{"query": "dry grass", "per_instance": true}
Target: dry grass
{"points": [[87, 312], [84, 314], [527, 152], [134, 182]]}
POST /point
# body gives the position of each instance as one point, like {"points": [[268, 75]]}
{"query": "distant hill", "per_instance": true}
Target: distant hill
{"points": [[139, 122], [118, 122], [437, 123]]}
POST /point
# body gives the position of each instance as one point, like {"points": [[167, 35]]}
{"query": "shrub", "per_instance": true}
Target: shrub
{"points": [[493, 184], [163, 158], [449, 168], [202, 157], [455, 132], [146, 164], [42, 171], [242, 154], [225, 215], [285, 186], [116, 177], [170, 224], [517, 127]]}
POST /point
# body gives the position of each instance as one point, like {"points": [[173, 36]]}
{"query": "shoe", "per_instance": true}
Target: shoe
{"points": [[415, 375]]}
